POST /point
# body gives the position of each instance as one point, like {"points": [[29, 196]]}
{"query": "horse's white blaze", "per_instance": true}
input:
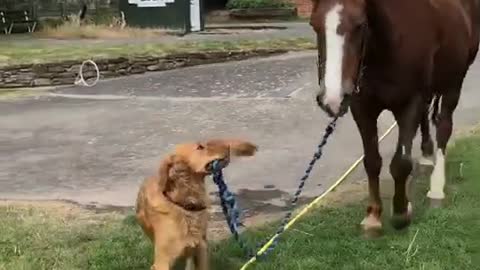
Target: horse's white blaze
{"points": [[437, 180], [334, 59]]}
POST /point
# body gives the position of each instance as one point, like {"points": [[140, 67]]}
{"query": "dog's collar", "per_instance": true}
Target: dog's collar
{"points": [[190, 207]]}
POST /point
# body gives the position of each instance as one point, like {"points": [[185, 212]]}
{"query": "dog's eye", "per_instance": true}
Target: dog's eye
{"points": [[200, 147]]}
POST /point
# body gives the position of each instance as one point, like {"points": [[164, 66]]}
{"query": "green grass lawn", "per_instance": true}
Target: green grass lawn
{"points": [[33, 237], [11, 54]]}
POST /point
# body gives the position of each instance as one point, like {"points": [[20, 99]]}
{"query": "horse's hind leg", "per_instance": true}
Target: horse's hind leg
{"points": [[444, 131], [427, 144], [401, 166], [366, 121]]}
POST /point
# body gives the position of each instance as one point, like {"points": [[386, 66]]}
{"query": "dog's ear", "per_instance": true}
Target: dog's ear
{"points": [[173, 168], [242, 148], [164, 171]]}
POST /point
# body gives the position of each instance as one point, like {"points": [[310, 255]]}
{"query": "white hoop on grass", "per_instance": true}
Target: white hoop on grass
{"points": [[80, 80]]}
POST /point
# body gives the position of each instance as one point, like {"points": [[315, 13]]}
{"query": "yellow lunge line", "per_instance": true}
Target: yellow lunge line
{"points": [[318, 199]]}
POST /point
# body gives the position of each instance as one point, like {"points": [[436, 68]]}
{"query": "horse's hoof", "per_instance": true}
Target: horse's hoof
{"points": [[372, 233], [401, 221], [436, 203], [372, 227]]}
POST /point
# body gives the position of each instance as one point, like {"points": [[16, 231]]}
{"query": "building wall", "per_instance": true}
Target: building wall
{"points": [[304, 7], [67, 7]]}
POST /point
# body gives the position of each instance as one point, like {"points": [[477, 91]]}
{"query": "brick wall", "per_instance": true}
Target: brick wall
{"points": [[304, 7]]}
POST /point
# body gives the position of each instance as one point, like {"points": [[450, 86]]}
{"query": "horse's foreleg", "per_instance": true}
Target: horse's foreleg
{"points": [[367, 125], [444, 131], [408, 120]]}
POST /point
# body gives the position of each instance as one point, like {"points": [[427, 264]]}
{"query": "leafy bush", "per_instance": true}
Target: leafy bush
{"points": [[241, 4]]}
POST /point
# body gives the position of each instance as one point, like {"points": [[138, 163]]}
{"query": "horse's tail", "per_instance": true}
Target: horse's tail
{"points": [[436, 103]]}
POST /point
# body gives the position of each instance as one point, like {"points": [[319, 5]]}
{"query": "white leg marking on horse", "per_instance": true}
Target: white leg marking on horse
{"points": [[409, 210], [437, 180], [426, 161], [334, 59], [371, 222]]}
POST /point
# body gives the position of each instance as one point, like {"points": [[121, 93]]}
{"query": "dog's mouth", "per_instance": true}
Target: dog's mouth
{"points": [[216, 164]]}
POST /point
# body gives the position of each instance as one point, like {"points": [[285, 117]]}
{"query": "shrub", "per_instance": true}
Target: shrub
{"points": [[241, 4]]}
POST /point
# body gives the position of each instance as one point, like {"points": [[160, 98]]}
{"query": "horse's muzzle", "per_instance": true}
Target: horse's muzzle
{"points": [[334, 112]]}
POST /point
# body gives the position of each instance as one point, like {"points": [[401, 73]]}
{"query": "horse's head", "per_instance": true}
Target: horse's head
{"points": [[341, 28]]}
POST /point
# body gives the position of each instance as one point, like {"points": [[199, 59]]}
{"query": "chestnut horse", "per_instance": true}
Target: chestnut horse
{"points": [[396, 55]]}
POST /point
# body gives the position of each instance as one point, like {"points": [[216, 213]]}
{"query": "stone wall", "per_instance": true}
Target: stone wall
{"points": [[65, 73]]}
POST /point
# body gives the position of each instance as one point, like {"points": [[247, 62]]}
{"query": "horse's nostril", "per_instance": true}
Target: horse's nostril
{"points": [[319, 99]]}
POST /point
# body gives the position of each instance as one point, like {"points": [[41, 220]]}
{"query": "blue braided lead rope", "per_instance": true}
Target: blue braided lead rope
{"points": [[232, 213], [229, 205], [316, 156]]}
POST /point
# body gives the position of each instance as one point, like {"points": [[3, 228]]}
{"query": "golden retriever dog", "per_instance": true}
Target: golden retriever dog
{"points": [[172, 207]]}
